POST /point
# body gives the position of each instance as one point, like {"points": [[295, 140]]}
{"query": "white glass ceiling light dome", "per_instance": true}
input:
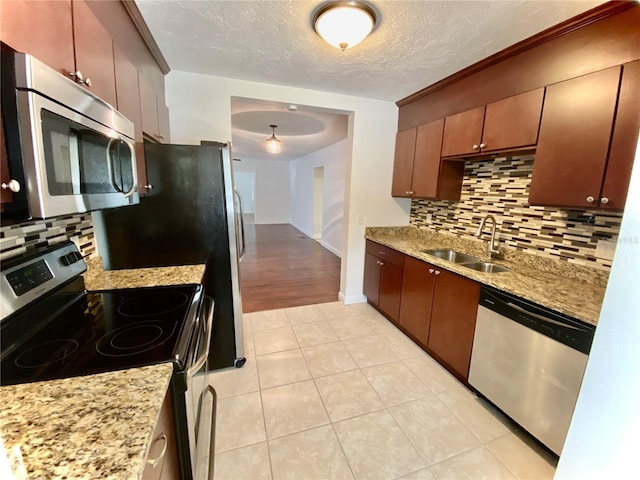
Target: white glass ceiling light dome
{"points": [[344, 24], [273, 144]]}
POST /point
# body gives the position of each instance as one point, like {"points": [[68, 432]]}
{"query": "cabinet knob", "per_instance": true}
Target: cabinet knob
{"points": [[411, 192], [482, 145], [148, 186], [604, 200], [437, 272], [13, 185], [79, 78], [431, 270], [381, 252], [407, 192], [475, 146], [381, 264], [590, 199], [160, 136]]}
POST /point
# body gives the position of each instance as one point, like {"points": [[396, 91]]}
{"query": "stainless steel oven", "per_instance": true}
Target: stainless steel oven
{"points": [[51, 328], [69, 151]]}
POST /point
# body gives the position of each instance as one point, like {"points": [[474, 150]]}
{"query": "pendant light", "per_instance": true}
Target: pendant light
{"points": [[273, 144], [344, 24]]}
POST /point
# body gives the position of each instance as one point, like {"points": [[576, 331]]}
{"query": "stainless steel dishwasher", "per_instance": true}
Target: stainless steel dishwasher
{"points": [[529, 362]]}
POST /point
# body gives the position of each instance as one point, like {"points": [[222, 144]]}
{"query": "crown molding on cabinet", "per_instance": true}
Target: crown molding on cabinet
{"points": [[145, 33], [591, 16]]}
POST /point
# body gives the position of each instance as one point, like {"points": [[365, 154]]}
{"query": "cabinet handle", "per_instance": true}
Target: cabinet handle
{"points": [[475, 146], [590, 199], [13, 185], [148, 186], [604, 200], [160, 136], [154, 462], [79, 78], [437, 272], [380, 252], [431, 270], [482, 145]]}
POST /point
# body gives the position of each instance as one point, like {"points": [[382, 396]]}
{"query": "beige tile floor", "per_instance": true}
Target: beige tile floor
{"points": [[337, 392]]}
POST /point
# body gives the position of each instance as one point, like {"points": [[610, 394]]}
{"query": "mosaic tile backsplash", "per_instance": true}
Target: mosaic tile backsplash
{"points": [[500, 187], [19, 238]]}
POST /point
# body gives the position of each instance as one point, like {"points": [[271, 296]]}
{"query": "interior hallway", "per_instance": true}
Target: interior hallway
{"points": [[284, 268]]}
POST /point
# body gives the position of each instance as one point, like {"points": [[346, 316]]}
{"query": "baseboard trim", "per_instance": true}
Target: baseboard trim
{"points": [[352, 299], [332, 249]]}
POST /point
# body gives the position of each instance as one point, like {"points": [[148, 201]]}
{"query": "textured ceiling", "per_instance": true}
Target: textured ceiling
{"points": [[415, 44]]}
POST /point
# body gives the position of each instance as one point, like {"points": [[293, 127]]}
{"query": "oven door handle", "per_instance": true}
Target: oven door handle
{"points": [[208, 327]]}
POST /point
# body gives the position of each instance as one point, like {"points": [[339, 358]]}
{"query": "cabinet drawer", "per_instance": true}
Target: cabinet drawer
{"points": [[385, 253]]}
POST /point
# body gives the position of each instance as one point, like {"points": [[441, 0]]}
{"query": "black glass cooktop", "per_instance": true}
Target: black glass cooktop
{"points": [[74, 333]]}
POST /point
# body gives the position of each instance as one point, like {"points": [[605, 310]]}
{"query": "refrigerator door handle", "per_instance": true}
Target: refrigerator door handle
{"points": [[240, 236]]}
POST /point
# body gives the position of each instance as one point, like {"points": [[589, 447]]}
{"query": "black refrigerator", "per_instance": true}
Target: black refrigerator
{"points": [[191, 215]]}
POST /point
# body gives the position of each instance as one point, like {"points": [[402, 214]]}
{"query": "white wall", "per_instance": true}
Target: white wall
{"points": [[604, 435], [245, 182], [272, 201], [200, 108], [334, 159]]}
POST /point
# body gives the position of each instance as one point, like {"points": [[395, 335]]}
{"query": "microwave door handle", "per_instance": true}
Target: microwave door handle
{"points": [[134, 173], [74, 162], [111, 170], [208, 326]]}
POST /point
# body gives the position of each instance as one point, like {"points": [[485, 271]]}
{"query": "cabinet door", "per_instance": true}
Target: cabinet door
{"points": [[426, 165], [624, 140], [453, 320], [163, 122], [94, 52], [128, 97], [149, 106], [513, 122], [463, 132], [417, 297], [390, 290], [371, 286], [573, 145], [163, 465], [41, 28], [6, 196], [403, 163]]}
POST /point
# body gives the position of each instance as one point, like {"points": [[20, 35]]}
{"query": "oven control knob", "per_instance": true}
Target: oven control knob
{"points": [[70, 258]]}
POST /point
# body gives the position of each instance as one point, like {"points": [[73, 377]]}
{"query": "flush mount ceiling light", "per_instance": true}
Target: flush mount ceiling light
{"points": [[273, 144], [344, 24]]}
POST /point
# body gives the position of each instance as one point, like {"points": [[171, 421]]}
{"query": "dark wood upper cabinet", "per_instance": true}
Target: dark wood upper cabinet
{"points": [[624, 139], [453, 320], [463, 132], [426, 165], [403, 163], [94, 52], [43, 29], [513, 122], [418, 283], [573, 145]]}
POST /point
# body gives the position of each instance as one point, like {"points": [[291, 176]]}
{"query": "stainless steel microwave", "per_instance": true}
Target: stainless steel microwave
{"points": [[68, 150]]}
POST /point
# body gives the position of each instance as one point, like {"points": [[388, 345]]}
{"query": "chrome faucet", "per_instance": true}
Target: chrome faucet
{"points": [[492, 248]]}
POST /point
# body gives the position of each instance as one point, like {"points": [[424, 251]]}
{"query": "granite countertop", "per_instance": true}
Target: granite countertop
{"points": [[97, 426], [96, 278], [570, 289]]}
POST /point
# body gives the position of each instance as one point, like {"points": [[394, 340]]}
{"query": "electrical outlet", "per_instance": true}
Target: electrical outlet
{"points": [[429, 217], [360, 218]]}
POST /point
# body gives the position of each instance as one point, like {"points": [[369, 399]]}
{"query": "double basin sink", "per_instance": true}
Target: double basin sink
{"points": [[468, 261]]}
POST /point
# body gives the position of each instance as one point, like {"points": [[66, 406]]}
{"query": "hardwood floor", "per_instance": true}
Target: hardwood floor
{"points": [[284, 268]]}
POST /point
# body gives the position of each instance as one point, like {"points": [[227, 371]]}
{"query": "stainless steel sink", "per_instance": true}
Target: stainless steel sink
{"points": [[451, 256], [485, 267]]}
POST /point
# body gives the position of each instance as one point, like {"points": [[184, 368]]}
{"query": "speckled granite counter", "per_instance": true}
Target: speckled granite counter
{"points": [[571, 289], [96, 278], [98, 426]]}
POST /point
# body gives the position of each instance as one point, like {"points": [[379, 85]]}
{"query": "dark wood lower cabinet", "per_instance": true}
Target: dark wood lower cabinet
{"points": [[453, 320], [435, 307], [417, 298], [162, 457]]}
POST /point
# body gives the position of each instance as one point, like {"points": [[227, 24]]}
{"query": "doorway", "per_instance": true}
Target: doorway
{"points": [[318, 202], [245, 184]]}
